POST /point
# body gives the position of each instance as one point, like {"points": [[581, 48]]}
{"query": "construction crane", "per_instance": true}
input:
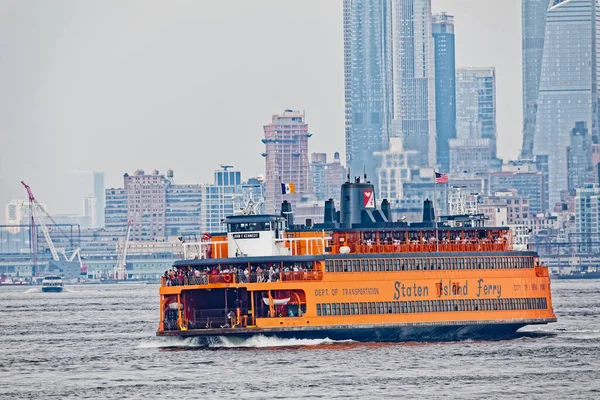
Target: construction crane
{"points": [[120, 271], [36, 213]]}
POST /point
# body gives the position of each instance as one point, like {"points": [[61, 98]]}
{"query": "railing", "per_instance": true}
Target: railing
{"points": [[424, 248], [253, 277]]}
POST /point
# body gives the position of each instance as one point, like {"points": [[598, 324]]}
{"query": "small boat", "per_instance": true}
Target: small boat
{"points": [[52, 284], [277, 302]]}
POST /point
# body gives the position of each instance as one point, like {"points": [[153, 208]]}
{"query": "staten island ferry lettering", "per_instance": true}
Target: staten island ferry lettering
{"points": [[358, 275]]}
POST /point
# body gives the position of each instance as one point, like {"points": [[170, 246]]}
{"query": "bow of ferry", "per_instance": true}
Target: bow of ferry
{"points": [[357, 276]]}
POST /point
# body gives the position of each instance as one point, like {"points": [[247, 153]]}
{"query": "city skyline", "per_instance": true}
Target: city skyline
{"points": [[111, 104]]}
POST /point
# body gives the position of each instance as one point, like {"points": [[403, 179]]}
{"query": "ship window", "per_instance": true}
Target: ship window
{"points": [[395, 307], [381, 265], [361, 308], [328, 309], [396, 264], [355, 308], [347, 308], [318, 310], [338, 309]]}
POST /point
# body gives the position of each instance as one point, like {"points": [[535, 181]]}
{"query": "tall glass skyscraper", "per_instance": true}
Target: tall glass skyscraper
{"points": [[414, 83], [568, 89], [368, 81], [476, 103], [533, 19], [445, 87]]}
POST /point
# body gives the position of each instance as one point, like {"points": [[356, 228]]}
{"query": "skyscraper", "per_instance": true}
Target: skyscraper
{"points": [[367, 81], [476, 103], [474, 149], [579, 158], [413, 78], [286, 157], [533, 18], [445, 87], [568, 90]]}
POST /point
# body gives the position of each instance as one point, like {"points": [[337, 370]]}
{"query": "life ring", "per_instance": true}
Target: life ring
{"points": [[206, 236], [227, 278]]}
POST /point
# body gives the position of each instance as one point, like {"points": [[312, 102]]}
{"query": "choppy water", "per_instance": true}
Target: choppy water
{"points": [[98, 342]]}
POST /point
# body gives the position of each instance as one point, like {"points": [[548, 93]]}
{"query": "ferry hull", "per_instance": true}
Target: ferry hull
{"points": [[491, 330], [52, 289]]}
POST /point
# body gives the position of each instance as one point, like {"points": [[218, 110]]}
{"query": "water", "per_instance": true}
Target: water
{"points": [[98, 342]]}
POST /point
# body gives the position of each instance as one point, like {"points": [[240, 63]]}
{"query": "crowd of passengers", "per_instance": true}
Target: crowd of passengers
{"points": [[175, 277], [433, 240]]}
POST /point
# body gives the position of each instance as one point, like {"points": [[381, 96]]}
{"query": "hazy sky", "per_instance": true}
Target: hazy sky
{"points": [[121, 85]]}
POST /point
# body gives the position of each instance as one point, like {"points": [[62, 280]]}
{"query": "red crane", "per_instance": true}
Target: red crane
{"points": [[32, 229]]}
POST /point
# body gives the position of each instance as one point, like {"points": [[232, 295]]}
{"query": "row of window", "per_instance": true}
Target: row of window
{"points": [[406, 307], [425, 263]]}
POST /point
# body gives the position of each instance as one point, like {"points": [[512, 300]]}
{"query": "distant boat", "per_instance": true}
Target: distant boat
{"points": [[52, 284]]}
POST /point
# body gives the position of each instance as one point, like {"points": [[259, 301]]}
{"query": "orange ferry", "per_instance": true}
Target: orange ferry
{"points": [[356, 276]]}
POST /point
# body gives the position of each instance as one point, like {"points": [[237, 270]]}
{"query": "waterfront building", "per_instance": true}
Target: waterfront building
{"points": [[183, 211], [146, 204], [568, 90], [473, 156], [529, 183], [367, 81], [579, 157], [286, 157], [115, 216], [587, 209], [533, 23], [517, 207], [221, 199], [394, 170], [154, 206], [445, 87], [413, 78], [327, 178]]}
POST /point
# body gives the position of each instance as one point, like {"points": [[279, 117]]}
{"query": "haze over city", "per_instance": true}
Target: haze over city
{"points": [[189, 85]]}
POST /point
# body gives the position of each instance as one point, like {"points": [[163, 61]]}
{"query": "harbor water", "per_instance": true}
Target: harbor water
{"points": [[97, 341]]}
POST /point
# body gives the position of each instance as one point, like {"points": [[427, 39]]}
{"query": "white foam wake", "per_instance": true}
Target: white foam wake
{"points": [[256, 341], [168, 342], [260, 341]]}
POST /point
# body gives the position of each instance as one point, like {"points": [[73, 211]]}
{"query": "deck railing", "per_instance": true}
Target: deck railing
{"points": [[253, 277], [423, 248]]}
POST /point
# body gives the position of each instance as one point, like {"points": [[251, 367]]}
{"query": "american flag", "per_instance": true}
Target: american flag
{"points": [[441, 178]]}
